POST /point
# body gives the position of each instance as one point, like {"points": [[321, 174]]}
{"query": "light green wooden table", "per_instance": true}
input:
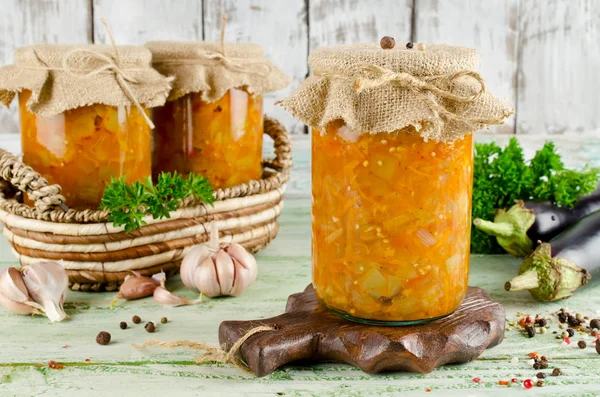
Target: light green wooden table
{"points": [[27, 344]]}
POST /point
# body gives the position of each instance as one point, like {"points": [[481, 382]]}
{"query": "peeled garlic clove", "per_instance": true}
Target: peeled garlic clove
{"points": [[47, 284], [206, 279], [225, 271], [137, 286], [167, 298], [190, 263]]}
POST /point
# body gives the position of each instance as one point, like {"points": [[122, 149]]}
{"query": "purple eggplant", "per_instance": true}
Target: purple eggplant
{"points": [[524, 224]]}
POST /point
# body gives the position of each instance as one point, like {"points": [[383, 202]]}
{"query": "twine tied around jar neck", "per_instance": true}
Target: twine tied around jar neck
{"points": [[213, 353], [373, 76], [110, 65]]}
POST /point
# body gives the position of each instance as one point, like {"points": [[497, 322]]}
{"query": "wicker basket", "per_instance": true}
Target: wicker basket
{"points": [[98, 255]]}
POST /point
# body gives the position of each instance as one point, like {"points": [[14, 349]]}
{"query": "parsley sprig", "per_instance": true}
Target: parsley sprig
{"points": [[128, 204], [502, 176]]}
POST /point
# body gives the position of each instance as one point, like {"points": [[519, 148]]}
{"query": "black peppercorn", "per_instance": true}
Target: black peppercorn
{"points": [[571, 332], [530, 330], [541, 322], [540, 375], [562, 317], [598, 346], [582, 344], [123, 325], [595, 323], [556, 372], [164, 320], [103, 338], [409, 45], [387, 42], [150, 327], [540, 383], [537, 365], [543, 364], [136, 319], [573, 321]]}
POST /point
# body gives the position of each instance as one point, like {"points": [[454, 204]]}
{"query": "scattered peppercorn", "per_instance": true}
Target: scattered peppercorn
{"points": [[544, 358], [503, 382], [582, 344], [54, 365], [573, 321], [530, 331], [150, 327], [136, 319], [595, 323], [477, 380], [540, 375], [562, 317], [543, 364], [163, 320], [556, 372], [570, 331], [540, 383], [123, 325], [594, 332], [598, 346], [541, 322], [387, 42], [528, 383], [514, 380], [103, 338], [409, 45], [537, 365], [564, 334]]}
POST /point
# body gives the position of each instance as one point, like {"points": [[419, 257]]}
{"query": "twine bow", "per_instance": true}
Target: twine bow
{"points": [[373, 76], [213, 353]]}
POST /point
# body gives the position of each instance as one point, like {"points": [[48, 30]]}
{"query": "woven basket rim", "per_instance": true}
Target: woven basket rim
{"points": [[16, 176]]}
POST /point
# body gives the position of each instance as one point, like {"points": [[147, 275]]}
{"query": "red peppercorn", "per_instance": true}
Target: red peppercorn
{"points": [[514, 380], [567, 340], [528, 383], [477, 380], [528, 320]]}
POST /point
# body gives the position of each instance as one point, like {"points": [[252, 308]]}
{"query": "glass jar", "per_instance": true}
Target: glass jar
{"points": [[220, 140], [83, 148], [391, 224]]}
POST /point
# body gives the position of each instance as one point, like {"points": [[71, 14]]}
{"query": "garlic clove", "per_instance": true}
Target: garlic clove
{"points": [[160, 278], [16, 307], [245, 259], [190, 263], [243, 278], [12, 285], [167, 298], [206, 280], [225, 271], [137, 286], [47, 283]]}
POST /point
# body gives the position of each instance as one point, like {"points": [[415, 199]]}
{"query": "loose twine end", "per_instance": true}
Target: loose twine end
{"points": [[213, 353]]}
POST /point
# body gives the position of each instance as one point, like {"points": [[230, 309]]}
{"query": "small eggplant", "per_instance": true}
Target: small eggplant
{"points": [[556, 269], [527, 222]]}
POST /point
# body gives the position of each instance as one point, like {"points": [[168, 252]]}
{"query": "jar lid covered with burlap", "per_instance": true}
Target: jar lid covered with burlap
{"points": [[435, 89], [64, 77], [212, 68]]}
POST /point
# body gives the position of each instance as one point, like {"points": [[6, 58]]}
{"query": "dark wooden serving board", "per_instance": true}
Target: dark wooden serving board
{"points": [[306, 331]]}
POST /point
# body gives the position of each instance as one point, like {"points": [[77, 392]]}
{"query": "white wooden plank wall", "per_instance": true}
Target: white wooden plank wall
{"points": [[543, 56]]}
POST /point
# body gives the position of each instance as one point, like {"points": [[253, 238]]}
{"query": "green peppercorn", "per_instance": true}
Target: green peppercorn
{"points": [[163, 320]]}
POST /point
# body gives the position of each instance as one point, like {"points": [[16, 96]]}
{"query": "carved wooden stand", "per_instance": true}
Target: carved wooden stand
{"points": [[306, 331]]}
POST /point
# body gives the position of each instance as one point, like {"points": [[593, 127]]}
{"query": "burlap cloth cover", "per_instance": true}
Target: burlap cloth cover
{"points": [[63, 77], [437, 91], [211, 69]]}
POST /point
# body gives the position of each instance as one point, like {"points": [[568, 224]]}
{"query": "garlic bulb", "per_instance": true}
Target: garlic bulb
{"points": [[218, 269], [47, 283], [14, 295]]}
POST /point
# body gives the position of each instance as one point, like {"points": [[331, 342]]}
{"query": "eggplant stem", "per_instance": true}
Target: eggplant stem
{"points": [[527, 280], [500, 229]]}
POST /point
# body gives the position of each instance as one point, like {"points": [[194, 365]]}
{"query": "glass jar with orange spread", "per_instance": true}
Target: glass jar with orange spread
{"points": [[391, 223], [392, 176], [83, 149], [220, 140], [212, 123], [84, 117]]}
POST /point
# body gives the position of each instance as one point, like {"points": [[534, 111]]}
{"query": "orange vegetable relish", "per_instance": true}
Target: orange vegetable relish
{"points": [[82, 149], [391, 223], [221, 140]]}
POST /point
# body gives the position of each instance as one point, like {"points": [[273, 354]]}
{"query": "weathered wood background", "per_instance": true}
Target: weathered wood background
{"points": [[542, 55]]}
